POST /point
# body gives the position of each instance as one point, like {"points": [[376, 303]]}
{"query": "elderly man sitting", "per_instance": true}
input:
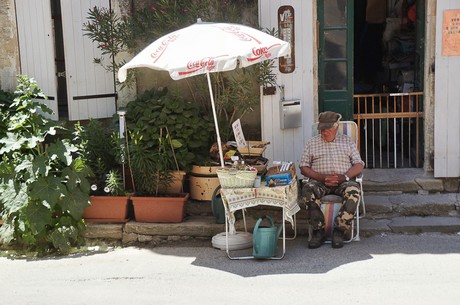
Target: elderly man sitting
{"points": [[331, 161]]}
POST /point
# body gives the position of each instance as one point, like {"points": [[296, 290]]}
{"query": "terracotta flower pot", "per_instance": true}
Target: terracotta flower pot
{"points": [[160, 209], [107, 209], [177, 183]]}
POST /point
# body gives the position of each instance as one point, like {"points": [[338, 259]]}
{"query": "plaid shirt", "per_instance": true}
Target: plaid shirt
{"points": [[334, 157]]}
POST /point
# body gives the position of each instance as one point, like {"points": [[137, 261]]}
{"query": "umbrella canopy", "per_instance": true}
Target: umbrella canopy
{"points": [[203, 48]]}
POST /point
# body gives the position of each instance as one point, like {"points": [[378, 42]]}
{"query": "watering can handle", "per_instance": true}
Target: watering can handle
{"points": [[214, 194], [254, 233], [270, 220]]}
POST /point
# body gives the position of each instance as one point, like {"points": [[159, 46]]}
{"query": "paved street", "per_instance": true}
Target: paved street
{"points": [[384, 269]]}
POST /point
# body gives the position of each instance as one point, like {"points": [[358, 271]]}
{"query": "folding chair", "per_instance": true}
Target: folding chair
{"points": [[330, 204]]}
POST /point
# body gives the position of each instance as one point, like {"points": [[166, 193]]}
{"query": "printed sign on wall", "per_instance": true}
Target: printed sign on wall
{"points": [[451, 33], [286, 33]]}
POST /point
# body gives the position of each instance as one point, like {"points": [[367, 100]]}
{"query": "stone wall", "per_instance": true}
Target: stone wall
{"points": [[9, 49]]}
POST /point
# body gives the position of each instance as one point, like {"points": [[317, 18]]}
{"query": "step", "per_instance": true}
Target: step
{"points": [[378, 205], [203, 228], [410, 225], [386, 206], [407, 180], [397, 200]]}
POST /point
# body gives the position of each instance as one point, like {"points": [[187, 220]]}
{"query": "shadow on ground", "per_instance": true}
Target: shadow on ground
{"points": [[299, 259]]}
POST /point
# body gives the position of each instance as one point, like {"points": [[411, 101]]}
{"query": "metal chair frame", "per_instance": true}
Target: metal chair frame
{"points": [[350, 129]]}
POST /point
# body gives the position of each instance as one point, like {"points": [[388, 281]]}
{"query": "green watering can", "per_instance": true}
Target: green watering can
{"points": [[217, 206], [265, 239]]}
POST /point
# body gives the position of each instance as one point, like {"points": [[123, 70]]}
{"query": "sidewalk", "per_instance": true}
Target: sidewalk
{"points": [[398, 201]]}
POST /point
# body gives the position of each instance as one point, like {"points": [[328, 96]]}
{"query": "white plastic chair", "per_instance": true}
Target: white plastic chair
{"points": [[350, 129]]}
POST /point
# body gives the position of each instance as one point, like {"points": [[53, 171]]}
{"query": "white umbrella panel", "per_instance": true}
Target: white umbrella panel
{"points": [[203, 48]]}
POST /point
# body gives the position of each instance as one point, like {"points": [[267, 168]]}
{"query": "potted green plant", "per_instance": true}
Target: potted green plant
{"points": [[187, 124], [109, 200], [166, 134], [152, 174], [111, 204]]}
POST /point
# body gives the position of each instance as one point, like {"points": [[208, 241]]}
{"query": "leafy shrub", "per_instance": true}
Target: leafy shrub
{"points": [[43, 181], [157, 109], [98, 145]]}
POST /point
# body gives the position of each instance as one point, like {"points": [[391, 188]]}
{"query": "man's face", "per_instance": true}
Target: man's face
{"points": [[328, 135]]}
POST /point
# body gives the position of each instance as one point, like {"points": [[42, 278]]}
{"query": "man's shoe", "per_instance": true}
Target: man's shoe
{"points": [[337, 239], [316, 240]]}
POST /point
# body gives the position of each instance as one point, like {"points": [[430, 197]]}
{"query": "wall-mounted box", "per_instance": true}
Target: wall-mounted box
{"points": [[291, 114]]}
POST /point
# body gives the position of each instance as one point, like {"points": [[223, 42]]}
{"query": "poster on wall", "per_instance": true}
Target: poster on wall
{"points": [[286, 33], [451, 33]]}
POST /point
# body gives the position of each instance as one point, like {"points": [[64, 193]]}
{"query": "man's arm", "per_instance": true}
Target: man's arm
{"points": [[352, 172], [332, 180], [310, 173]]}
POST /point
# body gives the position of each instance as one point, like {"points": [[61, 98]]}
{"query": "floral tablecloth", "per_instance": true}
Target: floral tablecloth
{"points": [[284, 197]]}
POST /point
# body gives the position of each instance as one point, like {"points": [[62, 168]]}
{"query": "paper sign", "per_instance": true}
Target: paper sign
{"points": [[238, 132], [451, 33]]}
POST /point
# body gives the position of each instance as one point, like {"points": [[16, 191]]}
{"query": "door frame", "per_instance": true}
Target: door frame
{"points": [[335, 99]]}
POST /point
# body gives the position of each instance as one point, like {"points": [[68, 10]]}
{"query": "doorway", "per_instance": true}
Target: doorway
{"points": [[380, 82], [388, 81], [63, 109], [388, 44], [335, 59], [54, 51]]}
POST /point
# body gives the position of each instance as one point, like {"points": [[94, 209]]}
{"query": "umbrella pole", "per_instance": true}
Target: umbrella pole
{"points": [[221, 154]]}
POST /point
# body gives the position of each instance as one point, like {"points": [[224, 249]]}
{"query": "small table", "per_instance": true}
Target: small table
{"points": [[284, 197]]}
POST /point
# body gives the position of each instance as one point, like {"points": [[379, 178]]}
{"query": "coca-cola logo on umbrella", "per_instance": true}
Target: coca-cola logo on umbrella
{"points": [[207, 63], [156, 54], [261, 52], [240, 34]]}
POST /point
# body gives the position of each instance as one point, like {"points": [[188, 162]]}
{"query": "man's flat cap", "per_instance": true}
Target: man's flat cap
{"points": [[328, 119]]}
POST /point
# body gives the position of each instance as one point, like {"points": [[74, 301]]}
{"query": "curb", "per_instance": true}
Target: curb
{"points": [[204, 228]]}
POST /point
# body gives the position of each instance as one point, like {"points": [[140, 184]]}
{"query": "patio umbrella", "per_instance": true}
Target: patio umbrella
{"points": [[205, 47]]}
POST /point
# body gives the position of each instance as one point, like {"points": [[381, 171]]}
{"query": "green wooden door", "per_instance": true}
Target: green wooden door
{"points": [[335, 56]]}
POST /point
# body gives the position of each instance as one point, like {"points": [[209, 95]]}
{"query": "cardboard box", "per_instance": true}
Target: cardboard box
{"points": [[278, 179], [247, 148], [276, 170], [253, 148], [275, 177]]}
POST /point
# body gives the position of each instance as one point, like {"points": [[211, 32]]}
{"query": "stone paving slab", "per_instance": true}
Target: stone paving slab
{"points": [[104, 231], [202, 226], [205, 227], [425, 224], [370, 227], [446, 204]]}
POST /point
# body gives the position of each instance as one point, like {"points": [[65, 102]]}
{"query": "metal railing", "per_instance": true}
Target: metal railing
{"points": [[391, 129]]}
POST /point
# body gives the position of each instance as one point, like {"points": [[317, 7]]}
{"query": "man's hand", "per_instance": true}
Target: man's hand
{"points": [[332, 180]]}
